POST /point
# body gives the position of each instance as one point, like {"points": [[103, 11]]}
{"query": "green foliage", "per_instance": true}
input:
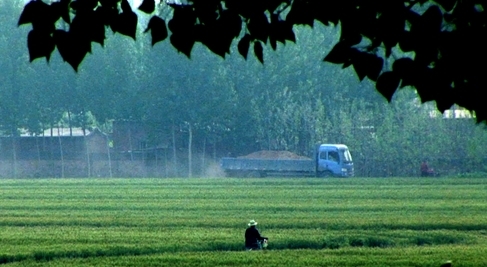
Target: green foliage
{"points": [[335, 242]]}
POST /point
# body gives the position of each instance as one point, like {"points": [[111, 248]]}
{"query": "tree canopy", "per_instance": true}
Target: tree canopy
{"points": [[437, 47]]}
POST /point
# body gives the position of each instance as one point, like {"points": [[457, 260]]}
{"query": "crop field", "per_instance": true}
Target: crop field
{"points": [[201, 222]]}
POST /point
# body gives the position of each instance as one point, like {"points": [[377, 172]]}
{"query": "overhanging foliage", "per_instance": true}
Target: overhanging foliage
{"points": [[446, 37]]}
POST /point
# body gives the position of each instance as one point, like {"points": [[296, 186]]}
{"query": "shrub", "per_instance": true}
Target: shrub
{"points": [[357, 242], [335, 242], [373, 241], [421, 241]]}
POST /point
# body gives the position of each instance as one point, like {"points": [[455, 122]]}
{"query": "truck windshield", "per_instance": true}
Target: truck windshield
{"points": [[345, 154]]}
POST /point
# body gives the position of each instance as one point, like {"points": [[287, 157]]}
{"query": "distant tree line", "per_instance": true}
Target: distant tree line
{"points": [[214, 107]]}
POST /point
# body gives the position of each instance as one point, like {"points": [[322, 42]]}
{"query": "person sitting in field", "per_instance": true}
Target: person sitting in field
{"points": [[426, 170], [253, 239]]}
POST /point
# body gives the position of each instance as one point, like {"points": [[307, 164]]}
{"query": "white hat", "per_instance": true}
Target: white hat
{"points": [[252, 223]]}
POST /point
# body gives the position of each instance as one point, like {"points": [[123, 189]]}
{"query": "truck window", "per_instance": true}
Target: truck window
{"points": [[347, 158], [323, 155], [333, 156]]}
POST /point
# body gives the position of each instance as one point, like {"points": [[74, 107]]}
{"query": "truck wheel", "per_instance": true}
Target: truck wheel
{"points": [[253, 174], [326, 174], [234, 174]]}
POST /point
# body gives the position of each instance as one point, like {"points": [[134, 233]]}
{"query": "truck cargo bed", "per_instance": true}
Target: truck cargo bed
{"points": [[269, 165]]}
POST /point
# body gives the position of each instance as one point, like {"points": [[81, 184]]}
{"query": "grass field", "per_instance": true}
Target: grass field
{"points": [[201, 222]]}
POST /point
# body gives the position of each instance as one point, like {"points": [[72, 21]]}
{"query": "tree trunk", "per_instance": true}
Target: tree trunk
{"points": [[88, 160], [38, 149], [203, 163], [155, 171], [130, 144], [165, 163], [174, 156], [62, 155], [14, 154], [190, 150], [109, 158], [214, 148], [69, 122], [38, 153]]}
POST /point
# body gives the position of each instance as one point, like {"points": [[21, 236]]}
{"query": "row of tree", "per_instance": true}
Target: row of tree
{"points": [[209, 106]]}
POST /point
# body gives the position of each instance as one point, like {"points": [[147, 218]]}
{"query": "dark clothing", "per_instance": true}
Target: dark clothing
{"points": [[425, 170], [253, 238]]}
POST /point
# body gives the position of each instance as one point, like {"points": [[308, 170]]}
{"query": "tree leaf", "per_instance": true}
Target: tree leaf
{"points": [[72, 49], [40, 44], [97, 29], [29, 13], [376, 66], [230, 22], [217, 41], [34, 11], [126, 8], [281, 30], [61, 9], [273, 43], [391, 26], [328, 13], [367, 65], [158, 29], [387, 84], [339, 54], [88, 26], [407, 42], [404, 67], [147, 6], [40, 15], [84, 5], [183, 43], [108, 16], [258, 27], [300, 13], [184, 19], [207, 11], [427, 83], [428, 25], [447, 4], [109, 3], [126, 24], [360, 65], [445, 100], [218, 35]]}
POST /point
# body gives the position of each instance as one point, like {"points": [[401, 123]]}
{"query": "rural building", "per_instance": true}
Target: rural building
{"points": [[64, 152], [55, 147]]}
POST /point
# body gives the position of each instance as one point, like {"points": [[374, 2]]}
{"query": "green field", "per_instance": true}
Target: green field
{"points": [[201, 222]]}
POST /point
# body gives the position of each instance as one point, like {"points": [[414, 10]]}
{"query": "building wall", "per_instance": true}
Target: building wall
{"points": [[42, 147], [97, 142], [128, 136], [78, 169], [53, 147]]}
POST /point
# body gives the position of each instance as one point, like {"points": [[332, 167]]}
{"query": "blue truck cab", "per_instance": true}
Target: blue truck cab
{"points": [[333, 160]]}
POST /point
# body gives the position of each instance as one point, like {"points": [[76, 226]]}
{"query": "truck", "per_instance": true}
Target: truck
{"points": [[329, 160]]}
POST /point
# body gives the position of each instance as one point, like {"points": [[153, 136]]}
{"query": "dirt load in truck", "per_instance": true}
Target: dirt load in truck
{"points": [[272, 154]]}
